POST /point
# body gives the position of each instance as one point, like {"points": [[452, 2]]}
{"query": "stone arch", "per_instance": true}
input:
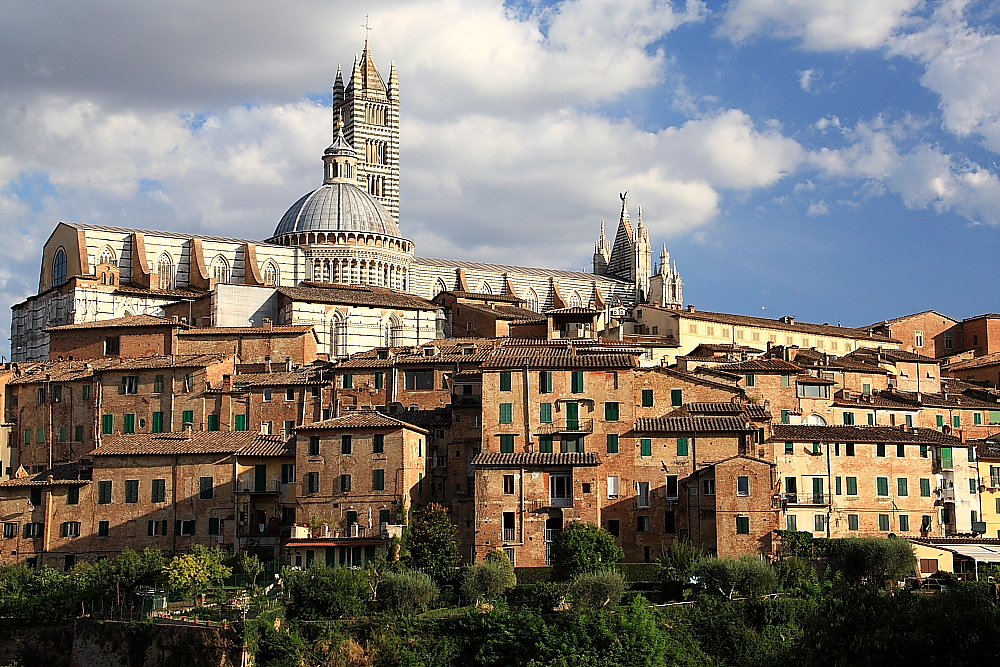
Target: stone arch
{"points": [[338, 335], [165, 271], [220, 269], [271, 273], [108, 256]]}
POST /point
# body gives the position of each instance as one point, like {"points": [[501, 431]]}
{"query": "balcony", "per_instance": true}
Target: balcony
{"points": [[542, 505], [273, 486], [508, 534], [566, 426], [812, 499], [552, 534], [263, 530], [945, 494]]}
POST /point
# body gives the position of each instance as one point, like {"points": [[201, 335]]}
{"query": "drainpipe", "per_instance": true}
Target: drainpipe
{"points": [[527, 406], [829, 487], [173, 501]]}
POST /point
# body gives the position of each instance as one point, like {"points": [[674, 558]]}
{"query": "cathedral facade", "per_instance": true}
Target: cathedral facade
{"points": [[344, 237]]}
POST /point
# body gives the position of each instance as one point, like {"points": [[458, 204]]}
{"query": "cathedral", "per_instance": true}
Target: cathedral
{"points": [[337, 260]]}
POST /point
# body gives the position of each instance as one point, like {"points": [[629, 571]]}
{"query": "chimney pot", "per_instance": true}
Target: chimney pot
{"points": [[690, 308]]}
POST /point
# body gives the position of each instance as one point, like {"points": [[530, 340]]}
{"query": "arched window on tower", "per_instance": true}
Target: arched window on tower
{"points": [[338, 336], [220, 269], [392, 332], [485, 288], [574, 300], [439, 286], [165, 271], [531, 300], [270, 273], [59, 267], [108, 256]]}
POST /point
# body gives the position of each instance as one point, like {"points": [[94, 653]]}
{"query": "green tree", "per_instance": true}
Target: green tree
{"points": [[192, 572], [485, 582], [251, 566], [596, 590], [119, 579], [729, 577], [322, 592], [432, 543], [585, 547], [406, 592], [679, 561], [875, 560]]}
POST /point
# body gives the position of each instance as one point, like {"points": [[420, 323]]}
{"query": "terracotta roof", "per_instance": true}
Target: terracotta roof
{"points": [[874, 400], [714, 408], [939, 400], [168, 293], [990, 316], [67, 371], [573, 310], [756, 411], [690, 424], [502, 312], [695, 377], [242, 443], [977, 362], [518, 459], [867, 354], [276, 330], [554, 358], [989, 448], [724, 347], [907, 317], [130, 321], [277, 379], [788, 432], [64, 475], [360, 419], [765, 365], [482, 296], [767, 323], [357, 295], [812, 379]]}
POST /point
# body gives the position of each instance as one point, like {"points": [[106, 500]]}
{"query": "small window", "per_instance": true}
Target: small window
{"points": [[613, 443], [903, 486], [676, 397], [880, 450], [545, 413], [708, 487], [904, 523], [290, 393], [506, 382], [614, 527], [900, 451], [507, 444], [751, 380], [159, 491], [508, 484], [742, 525], [131, 490], [378, 443], [791, 522], [545, 382], [73, 495], [348, 381], [314, 445], [642, 495], [682, 446], [611, 412], [345, 483], [853, 522], [883, 522], [268, 394], [184, 527], [852, 486], [882, 486], [848, 419], [506, 413], [819, 522], [544, 444], [642, 524], [346, 444], [576, 385], [742, 486], [613, 487], [647, 398], [646, 447], [70, 529], [104, 492], [103, 528], [789, 448], [671, 487], [312, 482], [206, 488], [378, 480]]}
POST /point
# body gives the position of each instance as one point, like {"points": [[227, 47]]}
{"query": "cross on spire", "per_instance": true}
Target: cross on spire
{"points": [[367, 28]]}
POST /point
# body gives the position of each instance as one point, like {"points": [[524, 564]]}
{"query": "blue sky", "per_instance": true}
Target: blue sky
{"points": [[834, 160]]}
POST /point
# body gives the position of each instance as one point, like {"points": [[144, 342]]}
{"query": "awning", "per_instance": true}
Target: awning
{"points": [[983, 553]]}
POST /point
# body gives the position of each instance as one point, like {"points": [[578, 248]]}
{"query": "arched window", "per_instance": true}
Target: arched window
{"points": [[439, 287], [220, 269], [108, 256], [814, 420], [338, 336], [574, 300], [392, 332], [270, 273], [59, 267], [531, 300], [165, 271], [485, 289]]}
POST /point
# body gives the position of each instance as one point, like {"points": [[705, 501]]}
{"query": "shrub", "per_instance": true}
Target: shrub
{"points": [[875, 560], [431, 543], [747, 576], [596, 590], [585, 547], [326, 592], [543, 596], [485, 582], [679, 561], [406, 592]]}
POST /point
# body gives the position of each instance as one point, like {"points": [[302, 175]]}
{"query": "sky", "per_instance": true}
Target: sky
{"points": [[835, 160]]}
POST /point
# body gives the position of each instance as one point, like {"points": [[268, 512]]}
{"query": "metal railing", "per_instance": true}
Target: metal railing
{"points": [[508, 534], [566, 426], [552, 534]]}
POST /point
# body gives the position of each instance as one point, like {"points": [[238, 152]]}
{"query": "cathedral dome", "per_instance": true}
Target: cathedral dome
{"points": [[336, 207]]}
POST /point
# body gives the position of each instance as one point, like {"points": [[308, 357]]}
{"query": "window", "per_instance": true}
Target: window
{"points": [[131, 490], [10, 530], [36, 497], [104, 492], [505, 381], [107, 425], [849, 448], [817, 448], [378, 480], [33, 530], [59, 267], [708, 487], [187, 419], [676, 397], [112, 346], [642, 494], [345, 483], [880, 450], [838, 486], [852, 486], [213, 423], [613, 487], [346, 444], [957, 421], [882, 486], [184, 527], [883, 522], [611, 412], [103, 528], [642, 524], [545, 413], [206, 488], [73, 495], [904, 523], [849, 419], [743, 486], [130, 384], [379, 379], [506, 413], [612, 443], [347, 381], [819, 522], [418, 380], [86, 392], [682, 446], [853, 522], [378, 443], [314, 445], [791, 522], [287, 473], [789, 448], [239, 422], [128, 425], [647, 398], [384, 517], [545, 382], [973, 487], [507, 444], [544, 444], [940, 420], [615, 527], [70, 529], [812, 390], [903, 486], [866, 388], [508, 484], [785, 414], [742, 525], [751, 380], [214, 526], [576, 384], [312, 482], [646, 447], [977, 418], [159, 491]]}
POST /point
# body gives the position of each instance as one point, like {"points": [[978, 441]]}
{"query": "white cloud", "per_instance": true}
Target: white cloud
{"points": [[819, 25], [818, 208], [807, 78]]}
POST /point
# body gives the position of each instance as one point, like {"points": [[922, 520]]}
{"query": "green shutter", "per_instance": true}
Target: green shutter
{"points": [[73, 495], [925, 487], [188, 417], [646, 447], [676, 397], [545, 382], [853, 522], [149, 528], [348, 381], [129, 426], [158, 384], [545, 444], [612, 443], [940, 420], [838, 485], [213, 422], [260, 478], [384, 516], [946, 458], [241, 422], [647, 398], [902, 487], [378, 480], [505, 381], [882, 486], [742, 525], [379, 380], [157, 422], [213, 526], [507, 444], [577, 385], [682, 446], [506, 413], [378, 443], [957, 421], [107, 424], [572, 416], [545, 413], [977, 418], [611, 412], [852, 486], [883, 522]]}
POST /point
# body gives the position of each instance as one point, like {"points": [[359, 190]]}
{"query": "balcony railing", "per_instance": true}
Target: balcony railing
{"points": [[566, 426], [272, 486], [807, 498], [560, 502], [946, 494], [508, 534], [552, 534]]}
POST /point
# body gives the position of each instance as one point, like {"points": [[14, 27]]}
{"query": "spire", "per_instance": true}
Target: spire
{"points": [[624, 216], [392, 90], [602, 253], [664, 261], [338, 87], [339, 160], [355, 86]]}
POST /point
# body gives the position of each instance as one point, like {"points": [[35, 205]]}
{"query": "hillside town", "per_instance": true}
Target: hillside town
{"points": [[297, 397]]}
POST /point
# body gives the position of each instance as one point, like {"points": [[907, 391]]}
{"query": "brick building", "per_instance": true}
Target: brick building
{"points": [[929, 333]]}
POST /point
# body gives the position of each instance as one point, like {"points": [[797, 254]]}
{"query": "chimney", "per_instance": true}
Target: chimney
{"points": [[227, 382], [288, 364], [267, 324], [267, 363], [690, 307]]}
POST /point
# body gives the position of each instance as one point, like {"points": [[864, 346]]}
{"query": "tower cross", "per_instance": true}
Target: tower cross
{"points": [[367, 28]]}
